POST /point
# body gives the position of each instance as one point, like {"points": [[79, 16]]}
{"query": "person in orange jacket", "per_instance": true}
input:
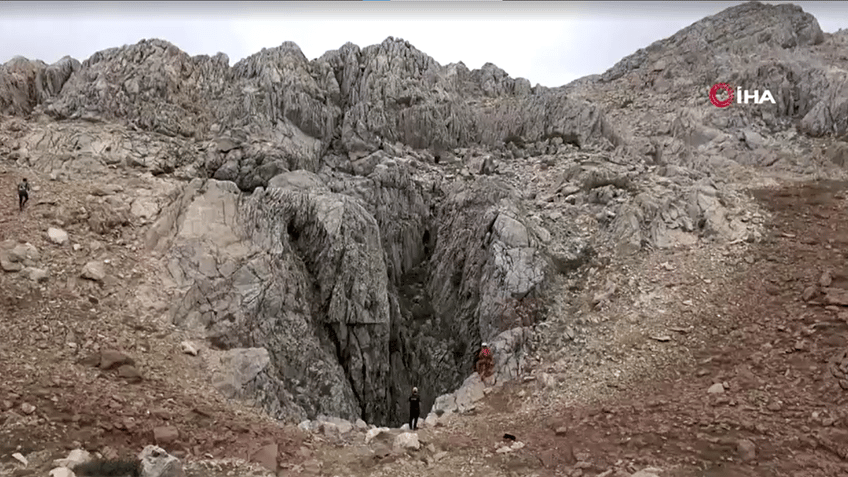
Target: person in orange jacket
{"points": [[485, 362]]}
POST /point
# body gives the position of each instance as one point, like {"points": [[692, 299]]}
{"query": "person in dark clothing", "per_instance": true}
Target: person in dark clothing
{"points": [[23, 193], [414, 409]]}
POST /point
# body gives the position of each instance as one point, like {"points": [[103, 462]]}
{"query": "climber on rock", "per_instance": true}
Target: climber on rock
{"points": [[485, 362], [23, 193], [414, 409]]}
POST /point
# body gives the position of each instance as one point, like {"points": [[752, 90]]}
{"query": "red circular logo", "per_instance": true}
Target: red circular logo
{"points": [[714, 92]]}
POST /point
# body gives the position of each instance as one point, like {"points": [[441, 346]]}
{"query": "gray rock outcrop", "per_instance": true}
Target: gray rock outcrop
{"points": [[344, 228], [303, 272], [289, 111]]}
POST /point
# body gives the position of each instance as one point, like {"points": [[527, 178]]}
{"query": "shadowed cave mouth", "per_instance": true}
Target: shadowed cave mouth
{"points": [[424, 350], [432, 351]]}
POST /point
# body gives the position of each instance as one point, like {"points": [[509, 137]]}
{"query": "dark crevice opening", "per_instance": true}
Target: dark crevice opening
{"points": [[343, 356], [292, 231]]}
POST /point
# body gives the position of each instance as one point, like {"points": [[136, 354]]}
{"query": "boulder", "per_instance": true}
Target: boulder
{"points": [[9, 263], [15, 257], [94, 270], [57, 236], [188, 347], [36, 274], [237, 368], [165, 434], [75, 457], [156, 462], [375, 433], [406, 441], [112, 359], [25, 253]]}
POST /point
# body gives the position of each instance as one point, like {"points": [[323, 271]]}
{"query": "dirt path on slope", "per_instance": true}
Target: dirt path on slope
{"points": [[775, 358]]}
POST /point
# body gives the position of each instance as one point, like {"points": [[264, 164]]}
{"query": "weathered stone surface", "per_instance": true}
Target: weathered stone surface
{"points": [[36, 274], [130, 373], [237, 368], [342, 229], [61, 472], [406, 441], [15, 257], [267, 457], [24, 84], [375, 433], [284, 225], [94, 270], [75, 457], [508, 349], [57, 236], [111, 359], [156, 462]]}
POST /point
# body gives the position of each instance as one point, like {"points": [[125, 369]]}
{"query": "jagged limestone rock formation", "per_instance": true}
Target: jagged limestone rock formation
{"points": [[663, 89], [298, 273], [390, 92], [301, 271], [343, 228], [25, 84]]}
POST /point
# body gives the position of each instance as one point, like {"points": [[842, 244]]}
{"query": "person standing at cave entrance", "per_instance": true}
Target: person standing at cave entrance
{"points": [[414, 409], [23, 193], [485, 363]]}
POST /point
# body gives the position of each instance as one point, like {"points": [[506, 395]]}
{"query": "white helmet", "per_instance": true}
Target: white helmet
{"points": [[415, 390], [485, 345]]}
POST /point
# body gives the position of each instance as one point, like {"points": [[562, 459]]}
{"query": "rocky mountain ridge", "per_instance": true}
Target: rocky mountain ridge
{"points": [[338, 230]]}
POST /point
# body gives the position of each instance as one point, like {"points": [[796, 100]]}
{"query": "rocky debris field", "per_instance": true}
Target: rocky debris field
{"points": [[331, 232], [753, 335], [250, 266], [747, 379], [80, 366]]}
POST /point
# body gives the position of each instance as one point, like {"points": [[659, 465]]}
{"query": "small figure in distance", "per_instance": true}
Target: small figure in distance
{"points": [[485, 363], [414, 409], [23, 193]]}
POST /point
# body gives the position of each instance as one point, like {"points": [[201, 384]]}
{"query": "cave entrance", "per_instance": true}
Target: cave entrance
{"points": [[420, 338]]}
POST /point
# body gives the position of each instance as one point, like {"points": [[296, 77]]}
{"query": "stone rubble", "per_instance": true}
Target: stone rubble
{"points": [[320, 236]]}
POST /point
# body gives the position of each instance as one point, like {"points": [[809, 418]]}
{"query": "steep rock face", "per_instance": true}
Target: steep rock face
{"points": [[394, 92], [83, 150], [403, 206], [659, 96], [251, 162], [350, 99], [707, 44], [360, 266], [484, 256], [298, 273], [280, 84], [152, 85], [347, 292], [24, 84]]}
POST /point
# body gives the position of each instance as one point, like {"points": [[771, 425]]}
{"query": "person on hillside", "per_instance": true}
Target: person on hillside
{"points": [[23, 193], [485, 362], [414, 409]]}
